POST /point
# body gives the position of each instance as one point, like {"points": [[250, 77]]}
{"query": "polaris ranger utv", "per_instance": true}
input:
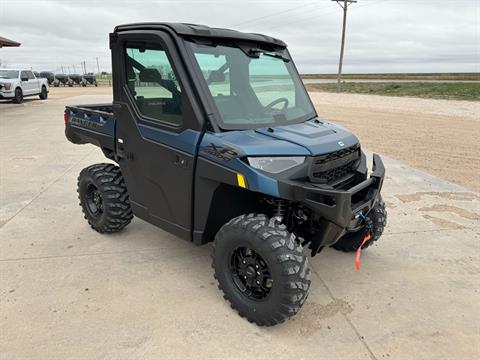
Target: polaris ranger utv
{"points": [[217, 140]]}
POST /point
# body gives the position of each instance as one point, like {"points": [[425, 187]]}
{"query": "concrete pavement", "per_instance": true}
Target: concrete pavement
{"points": [[67, 292]]}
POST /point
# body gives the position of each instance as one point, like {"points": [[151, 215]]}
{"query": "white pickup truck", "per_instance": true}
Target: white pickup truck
{"points": [[16, 84]]}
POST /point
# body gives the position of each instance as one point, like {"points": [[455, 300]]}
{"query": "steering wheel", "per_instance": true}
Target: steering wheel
{"points": [[275, 102]]}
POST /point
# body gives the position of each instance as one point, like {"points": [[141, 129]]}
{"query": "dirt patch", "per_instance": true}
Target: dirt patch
{"points": [[469, 215], [444, 224], [313, 316], [390, 205], [459, 196], [438, 136]]}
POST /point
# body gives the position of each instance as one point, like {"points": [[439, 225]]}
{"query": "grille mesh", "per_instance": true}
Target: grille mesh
{"points": [[330, 167]]}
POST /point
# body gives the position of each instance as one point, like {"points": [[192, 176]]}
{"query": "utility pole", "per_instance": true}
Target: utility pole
{"points": [[344, 4], [98, 67]]}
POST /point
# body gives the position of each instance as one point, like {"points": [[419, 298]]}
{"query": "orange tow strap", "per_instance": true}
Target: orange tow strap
{"points": [[359, 251]]}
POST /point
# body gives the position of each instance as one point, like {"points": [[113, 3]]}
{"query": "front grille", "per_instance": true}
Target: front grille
{"points": [[330, 167]]}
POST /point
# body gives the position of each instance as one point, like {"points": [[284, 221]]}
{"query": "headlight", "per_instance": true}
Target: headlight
{"points": [[275, 164], [7, 86]]}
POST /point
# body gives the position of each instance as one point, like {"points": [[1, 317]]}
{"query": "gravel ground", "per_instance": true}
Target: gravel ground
{"points": [[438, 136]]}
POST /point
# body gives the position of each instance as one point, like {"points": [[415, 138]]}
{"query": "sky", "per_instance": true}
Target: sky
{"points": [[382, 35]]}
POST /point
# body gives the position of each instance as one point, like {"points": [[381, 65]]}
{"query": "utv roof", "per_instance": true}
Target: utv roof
{"points": [[202, 31]]}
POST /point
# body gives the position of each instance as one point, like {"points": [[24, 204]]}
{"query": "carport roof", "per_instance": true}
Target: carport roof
{"points": [[8, 42]]}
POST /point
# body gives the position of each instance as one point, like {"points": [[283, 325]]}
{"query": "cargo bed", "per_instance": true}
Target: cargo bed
{"points": [[91, 123]]}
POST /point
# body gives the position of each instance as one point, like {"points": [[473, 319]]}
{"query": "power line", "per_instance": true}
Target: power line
{"points": [[310, 16], [298, 20], [274, 14]]}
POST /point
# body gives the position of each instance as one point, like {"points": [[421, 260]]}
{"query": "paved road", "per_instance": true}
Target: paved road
{"points": [[67, 292]]}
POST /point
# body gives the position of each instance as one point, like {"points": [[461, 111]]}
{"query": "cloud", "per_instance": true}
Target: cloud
{"points": [[382, 35]]}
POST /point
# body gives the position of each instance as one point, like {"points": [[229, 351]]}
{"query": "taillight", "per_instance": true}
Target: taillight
{"points": [[65, 117]]}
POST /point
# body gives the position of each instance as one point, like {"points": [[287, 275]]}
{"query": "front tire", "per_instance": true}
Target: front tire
{"points": [[350, 242], [18, 98], [261, 269], [44, 93], [104, 198]]}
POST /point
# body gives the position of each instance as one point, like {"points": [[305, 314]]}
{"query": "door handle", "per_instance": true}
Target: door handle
{"points": [[180, 161], [122, 153]]}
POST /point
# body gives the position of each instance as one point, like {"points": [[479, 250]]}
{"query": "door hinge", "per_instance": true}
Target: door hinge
{"points": [[113, 39]]}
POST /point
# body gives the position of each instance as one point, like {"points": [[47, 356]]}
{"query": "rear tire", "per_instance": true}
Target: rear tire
{"points": [[44, 93], [351, 241], [104, 198], [18, 98], [261, 269]]}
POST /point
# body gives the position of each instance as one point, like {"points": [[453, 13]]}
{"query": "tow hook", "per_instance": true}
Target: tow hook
{"points": [[368, 236]]}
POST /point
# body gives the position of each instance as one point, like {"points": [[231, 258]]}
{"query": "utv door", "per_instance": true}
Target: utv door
{"points": [[157, 129]]}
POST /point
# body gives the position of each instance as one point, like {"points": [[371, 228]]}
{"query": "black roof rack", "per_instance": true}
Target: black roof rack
{"points": [[194, 30]]}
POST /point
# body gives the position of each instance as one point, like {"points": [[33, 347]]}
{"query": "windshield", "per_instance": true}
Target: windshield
{"points": [[253, 91], [8, 74]]}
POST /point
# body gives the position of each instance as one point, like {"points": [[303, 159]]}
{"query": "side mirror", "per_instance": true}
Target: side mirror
{"points": [[216, 77], [24, 78], [150, 75]]}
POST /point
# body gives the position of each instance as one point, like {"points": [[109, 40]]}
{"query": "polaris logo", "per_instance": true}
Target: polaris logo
{"points": [[87, 123], [341, 143]]}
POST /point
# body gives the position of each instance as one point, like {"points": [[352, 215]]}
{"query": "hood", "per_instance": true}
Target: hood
{"points": [[251, 143], [316, 136], [305, 139], [8, 81]]}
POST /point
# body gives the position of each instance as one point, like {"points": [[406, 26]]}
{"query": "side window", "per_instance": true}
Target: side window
{"points": [[30, 75], [153, 84], [23, 75]]}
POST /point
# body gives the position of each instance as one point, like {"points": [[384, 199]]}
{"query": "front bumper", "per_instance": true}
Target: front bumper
{"points": [[4, 94], [337, 209]]}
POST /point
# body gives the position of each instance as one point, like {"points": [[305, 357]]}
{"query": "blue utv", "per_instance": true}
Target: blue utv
{"points": [[216, 140]]}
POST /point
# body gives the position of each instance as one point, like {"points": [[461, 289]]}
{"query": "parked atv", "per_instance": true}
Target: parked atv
{"points": [[77, 79], [89, 79], [62, 79], [216, 140], [49, 76]]}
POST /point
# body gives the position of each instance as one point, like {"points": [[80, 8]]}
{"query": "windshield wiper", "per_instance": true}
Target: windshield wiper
{"points": [[256, 52], [277, 56]]}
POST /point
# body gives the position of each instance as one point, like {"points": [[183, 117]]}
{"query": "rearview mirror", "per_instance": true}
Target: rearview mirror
{"points": [[24, 78]]}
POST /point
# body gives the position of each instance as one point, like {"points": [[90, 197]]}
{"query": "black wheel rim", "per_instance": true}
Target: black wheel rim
{"points": [[94, 201], [250, 273]]}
